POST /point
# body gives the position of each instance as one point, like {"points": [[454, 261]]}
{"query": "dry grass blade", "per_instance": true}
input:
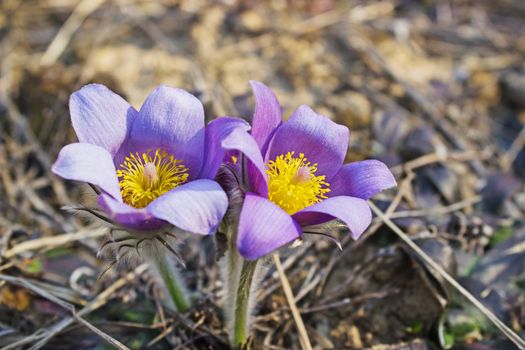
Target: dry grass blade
{"points": [[59, 43], [103, 335], [53, 242], [96, 303], [62, 293], [43, 336], [26, 283], [442, 210], [515, 338], [303, 334], [49, 296], [435, 88], [510, 156]]}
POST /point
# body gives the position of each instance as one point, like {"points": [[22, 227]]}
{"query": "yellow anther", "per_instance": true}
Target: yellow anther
{"points": [[144, 177], [292, 183]]}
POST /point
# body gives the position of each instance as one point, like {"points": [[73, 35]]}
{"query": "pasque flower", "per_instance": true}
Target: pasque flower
{"points": [[296, 177], [153, 170], [282, 178], [154, 167]]}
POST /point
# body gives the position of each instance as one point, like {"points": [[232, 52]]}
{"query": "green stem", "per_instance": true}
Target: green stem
{"points": [[241, 315], [172, 283]]}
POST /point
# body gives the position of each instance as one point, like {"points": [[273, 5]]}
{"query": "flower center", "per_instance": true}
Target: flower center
{"points": [[144, 177], [292, 183]]}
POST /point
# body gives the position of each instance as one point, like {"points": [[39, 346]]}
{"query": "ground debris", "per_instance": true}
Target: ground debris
{"points": [[434, 89]]}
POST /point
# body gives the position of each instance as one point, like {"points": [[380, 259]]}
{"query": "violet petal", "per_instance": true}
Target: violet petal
{"points": [[363, 179], [354, 212], [216, 132], [321, 140], [88, 163], [267, 116], [263, 227], [197, 206], [240, 140], [101, 117], [129, 217], [172, 119]]}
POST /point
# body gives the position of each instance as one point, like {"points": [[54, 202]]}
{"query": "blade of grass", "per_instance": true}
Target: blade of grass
{"points": [[509, 333], [303, 334], [53, 241], [28, 284], [41, 337], [64, 35]]}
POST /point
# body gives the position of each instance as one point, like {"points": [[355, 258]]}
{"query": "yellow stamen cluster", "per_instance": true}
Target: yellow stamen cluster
{"points": [[292, 183], [144, 177]]}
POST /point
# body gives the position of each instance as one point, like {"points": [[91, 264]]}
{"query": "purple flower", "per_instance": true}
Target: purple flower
{"points": [[153, 167], [296, 177]]}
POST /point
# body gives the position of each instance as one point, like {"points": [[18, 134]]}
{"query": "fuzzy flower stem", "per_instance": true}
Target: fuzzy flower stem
{"points": [[172, 282], [241, 315]]}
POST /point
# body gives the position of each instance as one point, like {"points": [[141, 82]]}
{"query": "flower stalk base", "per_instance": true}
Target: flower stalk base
{"points": [[165, 268], [242, 301]]}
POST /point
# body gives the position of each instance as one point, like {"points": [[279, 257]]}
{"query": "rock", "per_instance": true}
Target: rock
{"points": [[252, 21], [389, 128], [513, 88], [419, 141], [351, 109], [444, 180], [486, 86], [499, 188]]}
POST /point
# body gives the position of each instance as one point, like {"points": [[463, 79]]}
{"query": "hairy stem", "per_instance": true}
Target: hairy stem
{"points": [[172, 281], [242, 300]]}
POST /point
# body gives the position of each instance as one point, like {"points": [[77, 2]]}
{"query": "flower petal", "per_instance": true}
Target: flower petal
{"points": [[88, 163], [354, 212], [129, 217], [216, 132], [173, 119], [197, 206], [267, 116], [321, 140], [362, 179], [263, 227], [101, 117], [240, 140]]}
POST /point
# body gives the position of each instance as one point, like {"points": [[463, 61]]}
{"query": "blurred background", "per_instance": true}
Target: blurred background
{"points": [[436, 89]]}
